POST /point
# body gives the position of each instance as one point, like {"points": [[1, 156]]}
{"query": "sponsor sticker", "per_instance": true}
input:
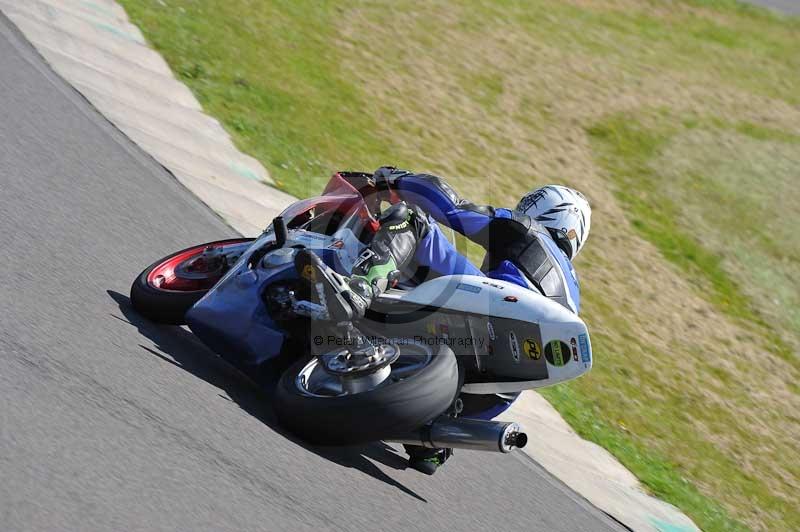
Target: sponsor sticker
{"points": [[309, 273], [468, 288], [557, 353], [487, 283], [430, 327], [586, 355], [399, 226], [571, 234], [531, 349], [574, 347], [490, 329], [512, 342]]}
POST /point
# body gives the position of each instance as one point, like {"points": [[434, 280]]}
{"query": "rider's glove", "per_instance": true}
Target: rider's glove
{"points": [[386, 182]]}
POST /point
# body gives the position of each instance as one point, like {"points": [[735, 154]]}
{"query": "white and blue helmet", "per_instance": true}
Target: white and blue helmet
{"points": [[563, 211]]}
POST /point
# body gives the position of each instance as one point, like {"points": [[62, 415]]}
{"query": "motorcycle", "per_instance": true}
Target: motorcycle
{"points": [[431, 363]]}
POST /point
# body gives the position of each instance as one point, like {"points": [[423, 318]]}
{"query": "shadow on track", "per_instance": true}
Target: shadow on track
{"points": [[182, 349]]}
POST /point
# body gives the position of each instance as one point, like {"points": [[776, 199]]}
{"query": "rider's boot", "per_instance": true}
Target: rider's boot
{"points": [[427, 460], [392, 248]]}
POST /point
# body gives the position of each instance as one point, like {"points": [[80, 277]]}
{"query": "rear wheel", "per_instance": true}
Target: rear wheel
{"points": [[320, 408], [169, 287]]}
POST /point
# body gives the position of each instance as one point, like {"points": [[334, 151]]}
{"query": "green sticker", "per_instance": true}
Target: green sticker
{"points": [[557, 353]]}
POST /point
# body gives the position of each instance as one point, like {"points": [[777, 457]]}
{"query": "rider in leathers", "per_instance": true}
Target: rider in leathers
{"points": [[531, 245]]}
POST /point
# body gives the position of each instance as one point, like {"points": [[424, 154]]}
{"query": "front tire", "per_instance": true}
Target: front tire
{"points": [[397, 406], [169, 303]]}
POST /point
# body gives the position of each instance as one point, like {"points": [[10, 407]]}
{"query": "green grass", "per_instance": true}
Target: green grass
{"points": [[685, 111], [270, 75]]}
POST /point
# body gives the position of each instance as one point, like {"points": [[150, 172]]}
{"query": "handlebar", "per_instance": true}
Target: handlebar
{"points": [[281, 234]]}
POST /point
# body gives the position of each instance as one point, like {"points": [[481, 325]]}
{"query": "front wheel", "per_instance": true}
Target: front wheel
{"points": [[169, 287], [316, 406]]}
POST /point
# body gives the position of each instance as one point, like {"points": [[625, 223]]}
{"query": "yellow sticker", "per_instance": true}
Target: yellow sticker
{"points": [[430, 328], [531, 349], [309, 273]]}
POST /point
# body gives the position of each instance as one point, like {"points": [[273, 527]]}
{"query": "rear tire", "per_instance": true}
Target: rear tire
{"points": [[394, 408], [167, 306]]}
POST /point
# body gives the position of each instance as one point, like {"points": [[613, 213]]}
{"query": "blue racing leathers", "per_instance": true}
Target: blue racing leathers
{"points": [[518, 250]]}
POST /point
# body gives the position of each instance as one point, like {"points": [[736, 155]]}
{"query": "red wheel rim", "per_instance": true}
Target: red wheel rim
{"points": [[170, 274]]}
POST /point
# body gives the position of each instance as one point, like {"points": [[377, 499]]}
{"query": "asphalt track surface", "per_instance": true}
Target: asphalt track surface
{"points": [[109, 422]]}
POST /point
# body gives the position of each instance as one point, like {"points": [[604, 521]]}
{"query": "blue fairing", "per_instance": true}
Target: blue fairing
{"points": [[233, 319], [491, 413]]}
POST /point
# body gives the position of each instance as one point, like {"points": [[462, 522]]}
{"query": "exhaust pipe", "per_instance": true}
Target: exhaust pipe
{"points": [[474, 434]]}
